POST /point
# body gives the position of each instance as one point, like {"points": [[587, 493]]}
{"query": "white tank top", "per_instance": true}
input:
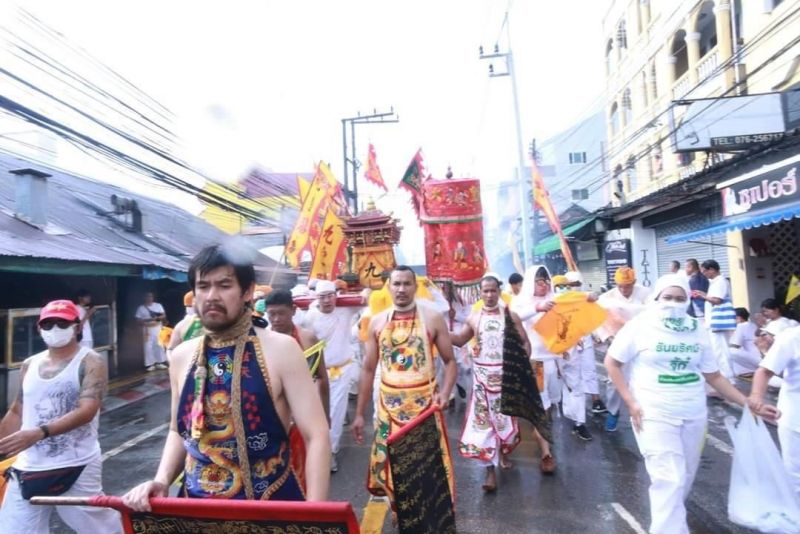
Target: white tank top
{"points": [[46, 399]]}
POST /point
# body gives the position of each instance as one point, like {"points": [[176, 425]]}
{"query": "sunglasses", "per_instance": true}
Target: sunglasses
{"points": [[542, 281], [61, 323]]}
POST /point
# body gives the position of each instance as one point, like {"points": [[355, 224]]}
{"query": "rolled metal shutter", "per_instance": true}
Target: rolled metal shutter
{"points": [[713, 247]]}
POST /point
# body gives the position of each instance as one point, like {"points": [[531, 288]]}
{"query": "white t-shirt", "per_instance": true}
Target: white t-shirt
{"points": [[526, 309], [745, 336], [143, 312], [666, 367], [784, 357], [621, 308], [86, 340], [718, 287], [334, 329], [785, 322]]}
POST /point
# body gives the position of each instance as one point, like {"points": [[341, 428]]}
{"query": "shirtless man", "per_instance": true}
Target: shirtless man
{"points": [[280, 310], [227, 372]]}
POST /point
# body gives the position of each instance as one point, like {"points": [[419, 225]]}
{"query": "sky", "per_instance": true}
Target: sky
{"points": [[268, 82]]}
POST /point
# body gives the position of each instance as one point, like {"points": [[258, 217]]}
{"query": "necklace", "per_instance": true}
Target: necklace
{"points": [[402, 329]]}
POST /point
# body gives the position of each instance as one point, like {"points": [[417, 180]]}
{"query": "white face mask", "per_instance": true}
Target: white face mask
{"points": [[669, 309], [58, 337]]}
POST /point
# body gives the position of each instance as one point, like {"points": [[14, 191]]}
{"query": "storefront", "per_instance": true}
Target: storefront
{"points": [[760, 227]]}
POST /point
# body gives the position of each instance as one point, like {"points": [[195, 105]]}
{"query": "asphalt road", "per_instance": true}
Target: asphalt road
{"points": [[600, 486]]}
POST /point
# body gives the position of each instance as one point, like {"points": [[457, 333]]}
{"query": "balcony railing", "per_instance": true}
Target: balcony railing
{"points": [[681, 87], [707, 64]]}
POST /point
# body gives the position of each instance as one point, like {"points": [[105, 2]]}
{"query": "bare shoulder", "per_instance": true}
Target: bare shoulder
{"points": [[307, 337], [276, 344], [182, 357], [379, 320]]}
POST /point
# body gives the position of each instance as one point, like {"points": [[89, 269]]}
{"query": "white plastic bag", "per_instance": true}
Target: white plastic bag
{"points": [[760, 496]]}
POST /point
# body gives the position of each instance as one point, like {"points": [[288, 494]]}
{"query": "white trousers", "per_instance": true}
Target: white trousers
{"points": [[153, 352], [721, 349], [589, 370], [19, 515], [671, 455], [613, 398], [573, 397], [743, 361], [339, 388], [790, 452]]}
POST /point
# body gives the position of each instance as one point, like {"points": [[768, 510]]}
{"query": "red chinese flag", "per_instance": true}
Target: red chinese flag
{"points": [[541, 200], [373, 172]]}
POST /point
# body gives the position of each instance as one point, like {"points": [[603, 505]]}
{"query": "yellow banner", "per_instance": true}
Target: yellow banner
{"points": [[308, 228], [370, 262], [794, 289], [572, 318], [328, 257], [303, 186]]}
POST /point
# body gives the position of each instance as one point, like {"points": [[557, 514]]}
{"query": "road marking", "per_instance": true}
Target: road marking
{"points": [[628, 518], [131, 442], [719, 444], [374, 515]]}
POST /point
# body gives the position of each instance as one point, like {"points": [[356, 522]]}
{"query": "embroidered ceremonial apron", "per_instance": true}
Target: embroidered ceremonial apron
{"points": [[486, 428], [241, 449], [408, 381]]}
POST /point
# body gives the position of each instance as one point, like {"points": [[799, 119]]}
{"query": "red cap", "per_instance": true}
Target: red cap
{"points": [[59, 309]]}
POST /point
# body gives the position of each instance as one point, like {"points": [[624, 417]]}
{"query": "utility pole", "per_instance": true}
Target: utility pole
{"points": [[351, 163], [527, 250]]}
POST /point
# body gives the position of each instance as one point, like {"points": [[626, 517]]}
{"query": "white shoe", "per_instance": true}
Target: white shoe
{"points": [[151, 368], [161, 366]]}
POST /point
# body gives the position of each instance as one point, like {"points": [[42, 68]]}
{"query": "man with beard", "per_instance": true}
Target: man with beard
{"points": [[488, 435], [234, 392], [401, 340]]}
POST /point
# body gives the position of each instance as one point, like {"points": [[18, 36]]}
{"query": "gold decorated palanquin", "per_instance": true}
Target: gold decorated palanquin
{"points": [[372, 236]]}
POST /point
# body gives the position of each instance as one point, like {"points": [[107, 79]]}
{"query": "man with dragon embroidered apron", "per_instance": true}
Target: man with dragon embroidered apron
{"points": [[401, 340], [235, 391], [489, 435]]}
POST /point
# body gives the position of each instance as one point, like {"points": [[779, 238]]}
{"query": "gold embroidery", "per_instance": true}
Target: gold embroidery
{"points": [[238, 423], [262, 363], [275, 486]]}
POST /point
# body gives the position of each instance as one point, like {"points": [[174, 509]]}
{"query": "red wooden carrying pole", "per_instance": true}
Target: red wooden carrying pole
{"points": [[239, 510]]}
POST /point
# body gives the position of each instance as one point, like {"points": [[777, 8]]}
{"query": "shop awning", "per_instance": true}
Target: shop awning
{"points": [[740, 222], [552, 243]]}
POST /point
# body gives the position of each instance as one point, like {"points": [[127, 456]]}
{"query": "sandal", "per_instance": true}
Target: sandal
{"points": [[548, 465]]}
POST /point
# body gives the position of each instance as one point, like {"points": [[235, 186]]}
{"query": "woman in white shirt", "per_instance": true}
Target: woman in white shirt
{"points": [[771, 310], [670, 358], [783, 357], [745, 355]]}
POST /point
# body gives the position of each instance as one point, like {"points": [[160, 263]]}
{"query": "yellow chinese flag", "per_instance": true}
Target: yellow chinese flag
{"points": [[794, 289], [303, 186], [307, 230], [572, 318], [329, 255]]}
